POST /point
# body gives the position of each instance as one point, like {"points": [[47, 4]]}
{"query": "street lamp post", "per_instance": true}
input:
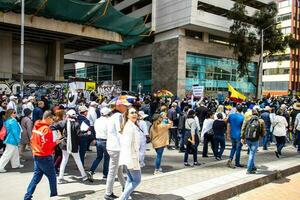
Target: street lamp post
{"points": [[22, 48], [140, 88], [260, 69]]}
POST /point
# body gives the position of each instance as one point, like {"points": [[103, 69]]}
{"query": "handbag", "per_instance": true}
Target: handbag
{"points": [[3, 133], [210, 132]]}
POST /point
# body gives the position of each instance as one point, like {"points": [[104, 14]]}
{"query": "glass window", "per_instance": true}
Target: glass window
{"points": [[215, 74], [142, 73]]}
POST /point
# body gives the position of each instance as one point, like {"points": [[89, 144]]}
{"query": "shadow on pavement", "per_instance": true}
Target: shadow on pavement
{"points": [[147, 196], [78, 194]]}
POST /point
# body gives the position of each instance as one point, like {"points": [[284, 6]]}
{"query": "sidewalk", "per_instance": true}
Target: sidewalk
{"points": [[210, 181], [177, 182]]}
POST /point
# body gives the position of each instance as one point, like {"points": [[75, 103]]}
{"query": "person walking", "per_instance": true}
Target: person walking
{"points": [[252, 130], [191, 139], [265, 115], [207, 134], [297, 131], [234, 127], [70, 144], [12, 104], [279, 124], [92, 116], [129, 153], [159, 138], [219, 129], [27, 125], [84, 124], [12, 140], [101, 139], [37, 113], [113, 148], [144, 133], [173, 131], [43, 142]]}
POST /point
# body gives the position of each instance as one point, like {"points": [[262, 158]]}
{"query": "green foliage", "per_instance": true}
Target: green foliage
{"points": [[245, 33]]}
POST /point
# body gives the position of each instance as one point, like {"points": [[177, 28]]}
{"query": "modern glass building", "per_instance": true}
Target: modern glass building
{"points": [[142, 73], [103, 71], [215, 73]]}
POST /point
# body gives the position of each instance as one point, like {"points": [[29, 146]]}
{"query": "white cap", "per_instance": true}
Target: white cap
{"points": [[31, 98], [71, 113], [13, 97], [105, 111], [93, 103], [82, 109], [142, 114], [25, 100]]}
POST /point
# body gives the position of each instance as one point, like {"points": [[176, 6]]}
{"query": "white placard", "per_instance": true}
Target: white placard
{"points": [[198, 91], [80, 85]]}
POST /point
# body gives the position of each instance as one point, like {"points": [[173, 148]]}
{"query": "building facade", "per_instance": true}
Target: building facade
{"points": [[189, 46], [281, 72]]}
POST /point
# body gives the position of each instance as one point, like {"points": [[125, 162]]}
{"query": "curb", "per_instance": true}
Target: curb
{"points": [[244, 187]]}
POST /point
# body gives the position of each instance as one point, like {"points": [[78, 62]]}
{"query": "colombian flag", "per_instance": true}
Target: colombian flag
{"points": [[235, 95]]}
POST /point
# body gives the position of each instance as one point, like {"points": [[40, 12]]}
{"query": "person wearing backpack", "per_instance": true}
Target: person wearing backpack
{"points": [[279, 124], [253, 128]]}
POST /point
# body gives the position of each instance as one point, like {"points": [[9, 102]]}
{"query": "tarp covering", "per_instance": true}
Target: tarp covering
{"points": [[99, 15]]}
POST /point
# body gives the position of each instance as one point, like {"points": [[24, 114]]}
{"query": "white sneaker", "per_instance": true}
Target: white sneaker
{"points": [[19, 167], [3, 170], [156, 172], [61, 181]]}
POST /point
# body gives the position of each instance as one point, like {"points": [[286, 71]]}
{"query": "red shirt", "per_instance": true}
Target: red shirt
{"points": [[41, 141]]}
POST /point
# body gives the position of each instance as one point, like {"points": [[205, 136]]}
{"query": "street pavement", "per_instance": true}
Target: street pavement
{"points": [[177, 182], [283, 189]]}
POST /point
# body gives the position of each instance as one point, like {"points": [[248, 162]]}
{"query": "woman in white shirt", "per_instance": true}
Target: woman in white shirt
{"points": [[129, 154], [279, 125], [206, 135]]}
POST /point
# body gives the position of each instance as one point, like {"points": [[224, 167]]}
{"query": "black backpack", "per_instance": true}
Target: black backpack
{"points": [[253, 129]]}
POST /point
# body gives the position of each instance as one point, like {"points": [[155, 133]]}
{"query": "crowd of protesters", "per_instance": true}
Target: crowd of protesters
{"points": [[121, 129]]}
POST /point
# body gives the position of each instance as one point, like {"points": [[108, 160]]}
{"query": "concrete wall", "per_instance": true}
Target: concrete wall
{"points": [[41, 61], [6, 55], [138, 51], [171, 14]]}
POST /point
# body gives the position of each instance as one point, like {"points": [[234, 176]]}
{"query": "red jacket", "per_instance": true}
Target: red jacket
{"points": [[41, 141]]}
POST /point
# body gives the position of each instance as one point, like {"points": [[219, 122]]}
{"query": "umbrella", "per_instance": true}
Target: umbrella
{"points": [[123, 100], [164, 93]]}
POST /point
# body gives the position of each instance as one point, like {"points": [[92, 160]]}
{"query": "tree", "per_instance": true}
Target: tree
{"points": [[245, 34]]}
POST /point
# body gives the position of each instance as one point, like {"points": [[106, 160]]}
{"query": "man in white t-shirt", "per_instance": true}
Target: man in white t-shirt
{"points": [[101, 138], [113, 149]]}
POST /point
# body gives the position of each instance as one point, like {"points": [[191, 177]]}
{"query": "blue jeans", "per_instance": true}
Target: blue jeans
{"points": [[101, 151], [236, 149], [83, 144], [133, 180], [219, 142], [42, 166], [159, 153], [253, 145], [266, 139]]}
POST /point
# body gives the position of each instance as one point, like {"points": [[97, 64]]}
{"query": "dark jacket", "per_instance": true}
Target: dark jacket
{"points": [[266, 117], [75, 134], [172, 115], [82, 118], [37, 114], [201, 113], [219, 128]]}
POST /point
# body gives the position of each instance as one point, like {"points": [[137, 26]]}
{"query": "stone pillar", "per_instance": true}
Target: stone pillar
{"points": [[55, 68], [6, 53], [205, 37], [165, 65], [181, 91]]}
